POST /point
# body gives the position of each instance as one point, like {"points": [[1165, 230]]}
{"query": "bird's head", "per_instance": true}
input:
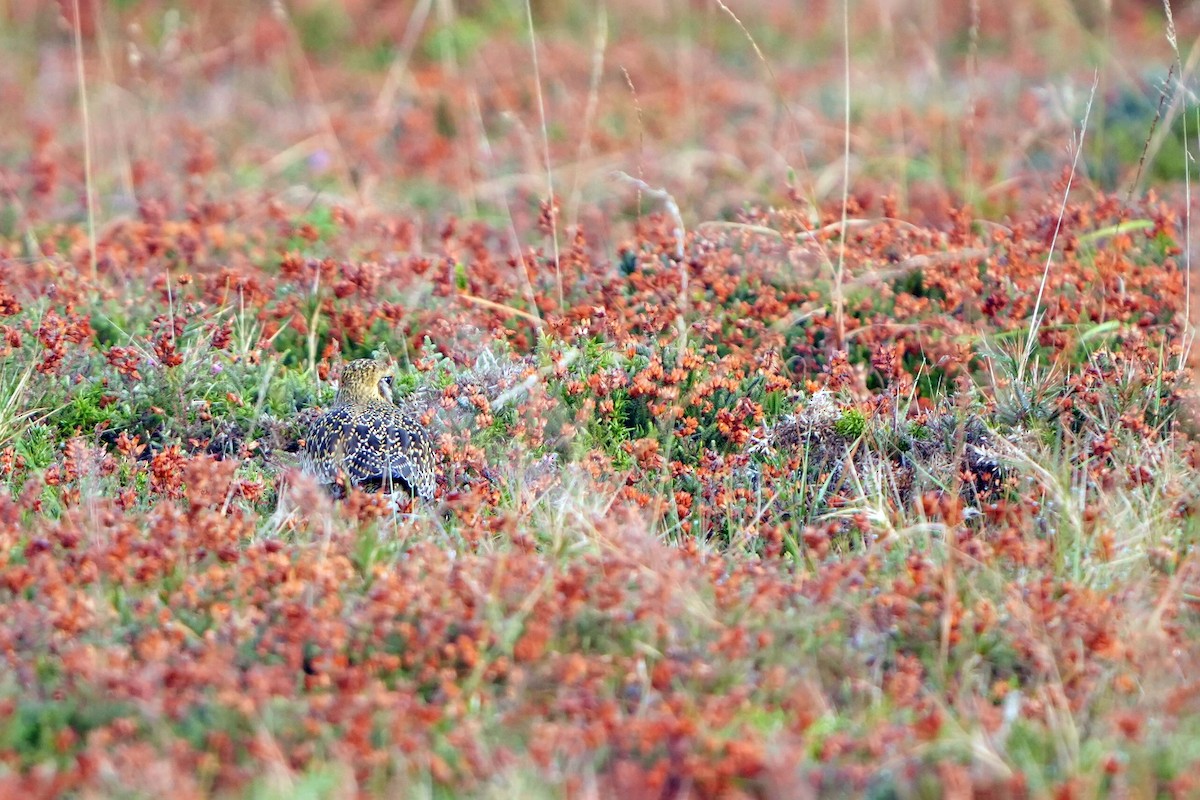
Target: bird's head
{"points": [[365, 381]]}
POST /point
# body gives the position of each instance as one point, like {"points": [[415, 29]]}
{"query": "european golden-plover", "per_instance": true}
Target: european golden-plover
{"points": [[366, 438]]}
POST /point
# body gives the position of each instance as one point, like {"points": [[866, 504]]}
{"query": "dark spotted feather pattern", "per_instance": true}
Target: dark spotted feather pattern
{"points": [[368, 439]]}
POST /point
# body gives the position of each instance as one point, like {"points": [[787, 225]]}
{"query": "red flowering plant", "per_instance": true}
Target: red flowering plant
{"points": [[774, 457]]}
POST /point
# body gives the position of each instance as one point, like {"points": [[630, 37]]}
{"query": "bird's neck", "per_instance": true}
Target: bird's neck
{"points": [[360, 400]]}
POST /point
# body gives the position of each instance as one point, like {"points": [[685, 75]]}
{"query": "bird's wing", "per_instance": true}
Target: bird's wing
{"points": [[364, 455], [384, 445], [325, 444], [410, 452]]}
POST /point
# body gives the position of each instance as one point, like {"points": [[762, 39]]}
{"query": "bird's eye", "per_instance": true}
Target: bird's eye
{"points": [[388, 380]]}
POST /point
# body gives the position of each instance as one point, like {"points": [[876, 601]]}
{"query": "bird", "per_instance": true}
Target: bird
{"points": [[368, 439]]}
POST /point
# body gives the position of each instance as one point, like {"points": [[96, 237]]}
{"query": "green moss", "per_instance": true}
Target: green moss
{"points": [[851, 424], [37, 446]]}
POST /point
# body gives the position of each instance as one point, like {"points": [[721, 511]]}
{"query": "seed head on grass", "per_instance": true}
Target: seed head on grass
{"points": [[368, 439]]}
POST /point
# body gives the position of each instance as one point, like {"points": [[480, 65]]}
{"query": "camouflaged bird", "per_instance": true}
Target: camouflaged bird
{"points": [[368, 439]]}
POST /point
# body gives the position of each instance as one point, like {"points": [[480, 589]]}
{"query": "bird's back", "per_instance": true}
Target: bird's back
{"points": [[372, 443]]}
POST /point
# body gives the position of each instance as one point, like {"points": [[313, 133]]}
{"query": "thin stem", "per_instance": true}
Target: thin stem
{"points": [[1035, 322], [81, 76], [537, 82]]}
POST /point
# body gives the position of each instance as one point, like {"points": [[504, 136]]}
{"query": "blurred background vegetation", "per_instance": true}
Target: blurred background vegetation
{"points": [[436, 104]]}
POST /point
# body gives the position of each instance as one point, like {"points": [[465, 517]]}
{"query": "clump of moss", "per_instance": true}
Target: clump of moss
{"points": [[851, 424]]}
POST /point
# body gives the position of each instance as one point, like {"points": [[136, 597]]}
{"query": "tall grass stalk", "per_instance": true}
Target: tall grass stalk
{"points": [[1035, 318], [541, 102], [86, 119]]}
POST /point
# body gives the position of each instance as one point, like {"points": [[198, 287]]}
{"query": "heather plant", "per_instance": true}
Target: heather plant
{"points": [[810, 396]]}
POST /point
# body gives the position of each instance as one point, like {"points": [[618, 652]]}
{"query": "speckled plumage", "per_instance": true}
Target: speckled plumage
{"points": [[367, 438]]}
